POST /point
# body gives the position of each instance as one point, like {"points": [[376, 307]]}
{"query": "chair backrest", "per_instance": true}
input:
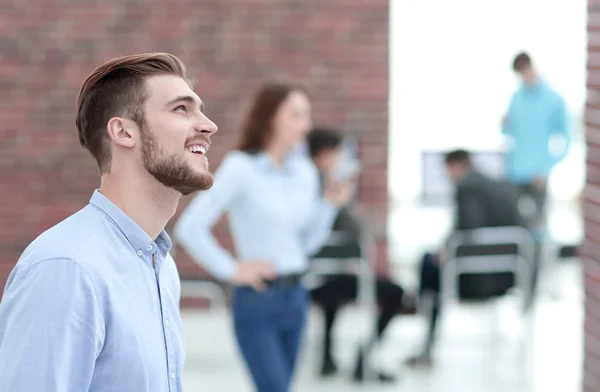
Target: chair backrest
{"points": [[340, 245], [343, 253], [490, 241], [490, 250]]}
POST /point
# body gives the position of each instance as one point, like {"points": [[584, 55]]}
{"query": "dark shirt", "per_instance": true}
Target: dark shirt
{"points": [[346, 222], [484, 202]]}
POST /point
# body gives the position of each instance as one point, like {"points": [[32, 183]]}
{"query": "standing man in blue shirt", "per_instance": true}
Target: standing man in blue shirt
{"points": [[536, 113], [93, 303]]}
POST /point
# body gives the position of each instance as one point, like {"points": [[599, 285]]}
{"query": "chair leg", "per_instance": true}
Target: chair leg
{"points": [[496, 327]]}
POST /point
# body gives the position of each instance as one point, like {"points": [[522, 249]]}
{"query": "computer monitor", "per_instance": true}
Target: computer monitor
{"points": [[436, 185]]}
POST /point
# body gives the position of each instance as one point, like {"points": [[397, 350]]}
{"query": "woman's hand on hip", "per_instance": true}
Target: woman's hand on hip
{"points": [[253, 274]]}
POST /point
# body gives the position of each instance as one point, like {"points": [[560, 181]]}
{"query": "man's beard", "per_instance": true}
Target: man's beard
{"points": [[172, 170]]}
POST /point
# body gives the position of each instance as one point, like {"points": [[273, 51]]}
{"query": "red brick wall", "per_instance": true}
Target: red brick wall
{"points": [[591, 206], [338, 49]]}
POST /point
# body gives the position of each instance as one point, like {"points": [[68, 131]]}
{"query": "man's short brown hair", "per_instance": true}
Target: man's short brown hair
{"points": [[462, 157], [117, 88], [521, 61]]}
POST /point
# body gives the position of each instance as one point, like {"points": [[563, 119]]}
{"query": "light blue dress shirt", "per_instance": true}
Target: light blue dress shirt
{"points": [[275, 214], [93, 305], [536, 114]]}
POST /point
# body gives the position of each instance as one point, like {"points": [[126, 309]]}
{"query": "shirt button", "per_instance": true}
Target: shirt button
{"points": [[172, 375], [149, 247], [139, 252], [167, 323]]}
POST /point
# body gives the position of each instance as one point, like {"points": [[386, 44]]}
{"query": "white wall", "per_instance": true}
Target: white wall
{"points": [[451, 77], [450, 83]]}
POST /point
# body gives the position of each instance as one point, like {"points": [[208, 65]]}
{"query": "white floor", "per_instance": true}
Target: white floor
{"points": [[469, 358]]}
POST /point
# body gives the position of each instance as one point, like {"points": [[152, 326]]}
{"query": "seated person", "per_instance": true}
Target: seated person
{"points": [[480, 202], [325, 149]]}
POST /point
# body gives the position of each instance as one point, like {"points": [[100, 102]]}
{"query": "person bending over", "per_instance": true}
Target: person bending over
{"points": [[480, 202]]}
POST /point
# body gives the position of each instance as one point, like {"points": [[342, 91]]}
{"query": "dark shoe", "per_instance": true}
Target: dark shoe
{"points": [[328, 368], [409, 305], [420, 360], [380, 376], [360, 376]]}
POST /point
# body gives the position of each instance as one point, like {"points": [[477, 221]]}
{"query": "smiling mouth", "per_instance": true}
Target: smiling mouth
{"points": [[200, 150]]}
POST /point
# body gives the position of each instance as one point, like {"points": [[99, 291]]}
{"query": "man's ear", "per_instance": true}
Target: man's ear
{"points": [[122, 131]]}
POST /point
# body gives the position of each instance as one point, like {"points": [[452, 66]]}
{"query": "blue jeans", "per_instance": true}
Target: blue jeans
{"points": [[268, 327]]}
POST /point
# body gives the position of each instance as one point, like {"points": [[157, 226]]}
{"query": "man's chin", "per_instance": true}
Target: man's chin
{"points": [[204, 179], [183, 178], [201, 183]]}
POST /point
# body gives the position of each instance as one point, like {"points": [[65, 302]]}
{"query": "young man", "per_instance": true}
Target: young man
{"points": [[536, 113], [480, 202], [325, 150], [93, 302]]}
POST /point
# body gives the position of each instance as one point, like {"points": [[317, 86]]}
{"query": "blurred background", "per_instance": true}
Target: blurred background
{"points": [[409, 80]]}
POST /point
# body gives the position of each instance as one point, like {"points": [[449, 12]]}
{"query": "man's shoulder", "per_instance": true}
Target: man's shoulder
{"points": [[478, 180], [518, 93], [473, 181], [67, 239], [479, 183]]}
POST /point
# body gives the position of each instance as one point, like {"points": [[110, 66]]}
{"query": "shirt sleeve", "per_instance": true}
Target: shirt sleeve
{"points": [[51, 329], [193, 230], [321, 221], [560, 127], [507, 128]]}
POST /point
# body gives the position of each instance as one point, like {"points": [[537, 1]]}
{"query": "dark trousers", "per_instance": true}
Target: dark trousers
{"points": [[430, 279], [344, 288], [533, 203], [481, 286], [269, 327]]}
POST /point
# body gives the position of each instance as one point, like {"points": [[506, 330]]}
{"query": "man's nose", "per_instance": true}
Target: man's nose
{"points": [[206, 126]]}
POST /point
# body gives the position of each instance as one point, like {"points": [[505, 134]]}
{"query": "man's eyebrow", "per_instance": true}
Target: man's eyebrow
{"points": [[186, 98]]}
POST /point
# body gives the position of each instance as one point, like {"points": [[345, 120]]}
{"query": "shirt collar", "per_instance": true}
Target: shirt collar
{"points": [[137, 237], [266, 161], [540, 83]]}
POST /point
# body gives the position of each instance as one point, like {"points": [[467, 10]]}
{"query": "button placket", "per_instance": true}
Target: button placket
{"points": [[170, 362], [171, 365]]}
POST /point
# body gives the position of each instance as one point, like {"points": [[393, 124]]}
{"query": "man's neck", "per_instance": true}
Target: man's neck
{"points": [[463, 175], [147, 202], [533, 82]]}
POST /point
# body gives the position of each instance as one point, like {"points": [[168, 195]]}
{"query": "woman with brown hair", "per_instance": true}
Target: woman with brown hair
{"points": [[278, 216]]}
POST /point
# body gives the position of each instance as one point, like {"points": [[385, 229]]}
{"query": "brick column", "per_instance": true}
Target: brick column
{"points": [[591, 206], [338, 49]]}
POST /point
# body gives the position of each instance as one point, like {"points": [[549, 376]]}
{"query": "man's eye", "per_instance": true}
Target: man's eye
{"points": [[180, 107]]}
